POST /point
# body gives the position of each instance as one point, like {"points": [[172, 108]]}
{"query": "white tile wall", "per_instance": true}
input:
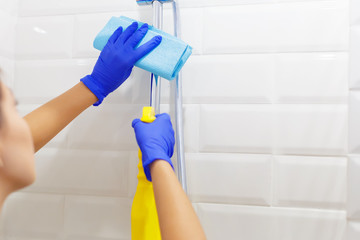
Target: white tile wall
{"points": [[288, 27], [310, 182], [87, 26], [224, 178], [87, 172], [353, 207], [36, 215], [105, 128], [55, 7], [44, 37], [311, 129], [191, 127], [227, 82], [236, 128], [206, 3], [52, 77], [192, 24], [353, 203], [353, 230], [354, 12], [9, 6], [8, 20], [354, 57], [266, 77], [101, 217], [7, 34], [7, 69], [311, 78], [354, 118], [256, 223]]}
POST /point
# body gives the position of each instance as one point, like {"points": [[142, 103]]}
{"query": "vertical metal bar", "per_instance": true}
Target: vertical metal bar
{"points": [[179, 110], [177, 83], [156, 81]]}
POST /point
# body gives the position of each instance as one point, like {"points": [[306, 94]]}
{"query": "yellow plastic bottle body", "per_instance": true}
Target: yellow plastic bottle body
{"points": [[144, 218]]}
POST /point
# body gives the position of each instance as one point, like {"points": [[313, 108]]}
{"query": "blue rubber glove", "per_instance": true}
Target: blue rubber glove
{"points": [[117, 60], [156, 140]]}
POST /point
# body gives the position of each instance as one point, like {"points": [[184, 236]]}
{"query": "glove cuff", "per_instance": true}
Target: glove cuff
{"points": [[147, 163], [90, 83]]}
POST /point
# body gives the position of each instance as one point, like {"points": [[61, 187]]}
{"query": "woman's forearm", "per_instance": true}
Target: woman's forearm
{"points": [[177, 218], [48, 120]]}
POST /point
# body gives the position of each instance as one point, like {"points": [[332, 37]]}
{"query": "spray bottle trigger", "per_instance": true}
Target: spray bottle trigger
{"points": [[148, 115]]}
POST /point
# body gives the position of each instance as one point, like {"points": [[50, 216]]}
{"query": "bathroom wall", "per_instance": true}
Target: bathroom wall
{"points": [[266, 120], [8, 18]]}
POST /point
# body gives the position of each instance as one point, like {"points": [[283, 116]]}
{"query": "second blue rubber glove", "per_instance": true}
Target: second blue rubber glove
{"points": [[156, 141], [117, 60]]}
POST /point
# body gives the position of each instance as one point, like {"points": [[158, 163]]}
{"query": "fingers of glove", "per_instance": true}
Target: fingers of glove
{"points": [[163, 117], [138, 35], [147, 47], [115, 35], [135, 122], [127, 33], [165, 120]]}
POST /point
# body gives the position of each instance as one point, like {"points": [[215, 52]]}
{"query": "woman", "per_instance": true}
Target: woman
{"points": [[21, 138]]}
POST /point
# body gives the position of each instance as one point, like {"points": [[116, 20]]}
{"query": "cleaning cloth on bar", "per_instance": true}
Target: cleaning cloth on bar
{"points": [[165, 61]]}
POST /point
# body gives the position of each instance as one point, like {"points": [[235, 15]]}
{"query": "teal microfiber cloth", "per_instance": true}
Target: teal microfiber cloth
{"points": [[165, 61]]}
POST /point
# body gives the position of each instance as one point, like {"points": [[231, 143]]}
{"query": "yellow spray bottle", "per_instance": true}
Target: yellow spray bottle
{"points": [[144, 218]]}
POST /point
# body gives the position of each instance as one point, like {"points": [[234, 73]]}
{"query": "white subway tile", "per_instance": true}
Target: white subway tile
{"points": [[44, 37], [288, 27], [353, 200], [2, 223], [228, 29], [353, 231], [55, 7], [311, 129], [37, 215], [354, 119], [355, 12], [40, 81], [191, 125], [236, 128], [7, 71], [310, 182], [87, 172], [245, 78], [141, 87], [87, 26], [211, 3], [229, 178], [9, 6], [354, 57], [191, 24], [207, 3], [234, 222], [97, 217], [33, 237], [313, 26], [311, 78], [107, 127], [167, 90], [7, 35]]}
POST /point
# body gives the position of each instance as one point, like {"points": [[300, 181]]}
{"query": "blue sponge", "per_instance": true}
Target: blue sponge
{"points": [[165, 61]]}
